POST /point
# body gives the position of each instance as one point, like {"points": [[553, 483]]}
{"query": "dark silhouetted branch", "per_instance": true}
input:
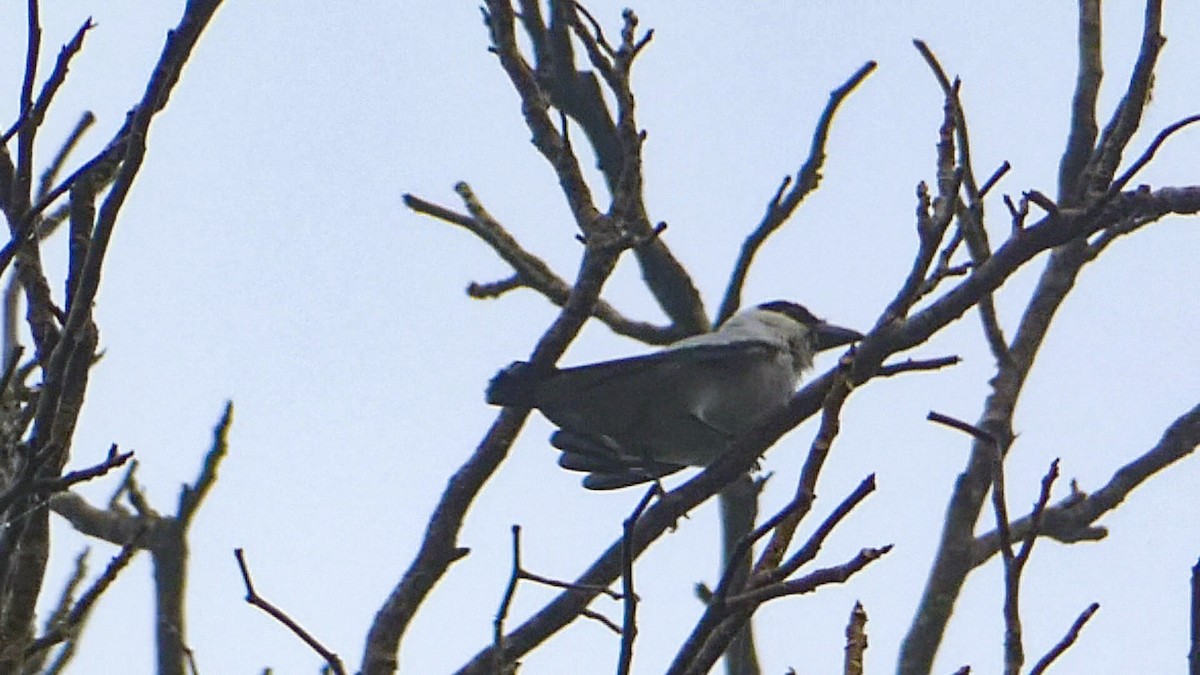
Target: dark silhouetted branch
{"points": [[784, 203], [1069, 639], [252, 597]]}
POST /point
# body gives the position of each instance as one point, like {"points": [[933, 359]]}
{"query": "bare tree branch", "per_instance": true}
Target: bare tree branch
{"points": [[1069, 639], [533, 272], [784, 203], [605, 237], [59, 75], [856, 641], [933, 217], [1106, 156], [114, 460], [1081, 138], [1194, 651], [67, 628], [810, 582], [1073, 519], [1120, 183], [618, 146], [164, 536], [970, 214], [806, 487], [1084, 175], [891, 337], [629, 596], [909, 365], [279, 615], [742, 605]]}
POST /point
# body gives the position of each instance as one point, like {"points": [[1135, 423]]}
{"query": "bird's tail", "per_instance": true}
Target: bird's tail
{"points": [[514, 386], [608, 468]]}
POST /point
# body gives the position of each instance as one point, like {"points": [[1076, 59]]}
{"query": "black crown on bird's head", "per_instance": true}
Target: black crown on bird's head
{"points": [[824, 335], [796, 311]]}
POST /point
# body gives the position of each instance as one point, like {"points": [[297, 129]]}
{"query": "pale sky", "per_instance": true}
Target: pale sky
{"points": [[264, 256]]}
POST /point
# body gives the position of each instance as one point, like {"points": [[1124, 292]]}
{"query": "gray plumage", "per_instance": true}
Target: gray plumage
{"points": [[636, 419]]}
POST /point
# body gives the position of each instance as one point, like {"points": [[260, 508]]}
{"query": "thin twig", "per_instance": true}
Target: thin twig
{"points": [[62, 609], [113, 460], [602, 620], [569, 585], [531, 271], [86, 120], [510, 592], [629, 618], [1014, 654], [191, 496], [84, 606], [58, 75], [25, 126], [808, 552], [994, 178], [253, 598], [818, 451], [1068, 640], [910, 365], [1110, 234], [1039, 510], [502, 665], [1194, 651], [799, 502], [783, 205], [810, 582], [1119, 184], [960, 425]]}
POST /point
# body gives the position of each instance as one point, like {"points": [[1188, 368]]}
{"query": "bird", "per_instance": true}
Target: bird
{"points": [[637, 419]]}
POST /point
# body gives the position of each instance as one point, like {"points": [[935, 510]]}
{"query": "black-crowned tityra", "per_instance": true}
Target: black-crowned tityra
{"points": [[633, 420]]}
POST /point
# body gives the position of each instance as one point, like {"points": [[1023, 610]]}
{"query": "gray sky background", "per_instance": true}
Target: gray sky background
{"points": [[264, 256]]}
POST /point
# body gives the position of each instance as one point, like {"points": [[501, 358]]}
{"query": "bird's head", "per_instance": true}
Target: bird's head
{"points": [[806, 334]]}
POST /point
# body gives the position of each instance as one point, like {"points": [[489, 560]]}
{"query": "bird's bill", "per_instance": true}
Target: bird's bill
{"points": [[830, 336]]}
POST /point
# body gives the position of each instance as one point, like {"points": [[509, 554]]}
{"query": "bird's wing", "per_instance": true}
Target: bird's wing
{"points": [[610, 397], [635, 420]]}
